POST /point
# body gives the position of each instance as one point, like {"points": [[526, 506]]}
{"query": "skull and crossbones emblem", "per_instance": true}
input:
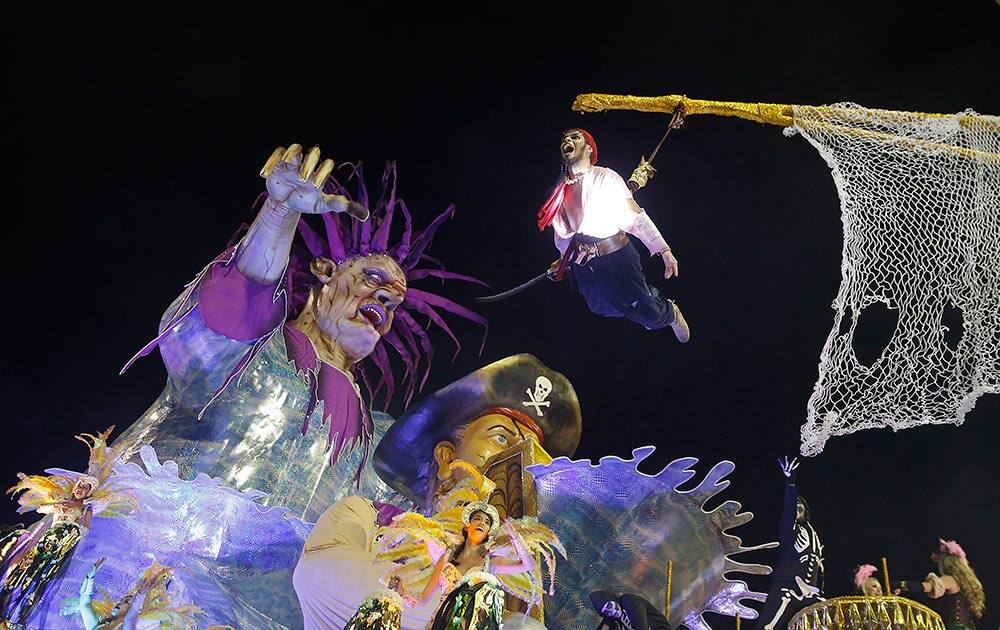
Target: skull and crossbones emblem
{"points": [[536, 398]]}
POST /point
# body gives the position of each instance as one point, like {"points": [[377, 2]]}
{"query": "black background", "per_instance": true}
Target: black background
{"points": [[135, 141]]}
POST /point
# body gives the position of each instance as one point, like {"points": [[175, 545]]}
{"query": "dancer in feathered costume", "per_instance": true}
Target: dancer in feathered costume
{"points": [[156, 608], [69, 500], [465, 555]]}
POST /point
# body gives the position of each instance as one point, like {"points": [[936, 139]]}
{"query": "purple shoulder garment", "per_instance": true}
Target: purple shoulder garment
{"points": [[248, 311]]}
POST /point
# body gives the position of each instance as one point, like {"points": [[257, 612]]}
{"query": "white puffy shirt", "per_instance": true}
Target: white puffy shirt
{"points": [[600, 205]]}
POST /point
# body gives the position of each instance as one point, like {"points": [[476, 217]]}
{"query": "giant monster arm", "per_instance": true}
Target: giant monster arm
{"points": [[242, 301], [294, 187]]}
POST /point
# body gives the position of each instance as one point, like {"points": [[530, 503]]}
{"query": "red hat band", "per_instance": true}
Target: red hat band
{"points": [[590, 142]]}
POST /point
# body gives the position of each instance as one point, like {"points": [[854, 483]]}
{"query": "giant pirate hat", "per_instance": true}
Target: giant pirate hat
{"points": [[520, 387]]}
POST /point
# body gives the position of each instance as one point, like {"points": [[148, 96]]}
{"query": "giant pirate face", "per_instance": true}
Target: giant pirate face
{"points": [[480, 440], [354, 302], [574, 147]]}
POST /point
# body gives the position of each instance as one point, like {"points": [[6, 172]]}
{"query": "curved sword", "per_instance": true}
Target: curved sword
{"points": [[512, 292]]}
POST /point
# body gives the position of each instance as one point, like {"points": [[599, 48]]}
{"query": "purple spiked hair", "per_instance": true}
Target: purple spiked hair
{"points": [[344, 238]]}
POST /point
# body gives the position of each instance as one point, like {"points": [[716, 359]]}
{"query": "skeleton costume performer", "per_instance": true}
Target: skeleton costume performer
{"points": [[69, 500], [266, 350], [797, 580], [591, 214]]}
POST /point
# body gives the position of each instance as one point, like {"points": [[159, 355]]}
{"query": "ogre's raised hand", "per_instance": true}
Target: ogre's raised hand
{"points": [[297, 183]]}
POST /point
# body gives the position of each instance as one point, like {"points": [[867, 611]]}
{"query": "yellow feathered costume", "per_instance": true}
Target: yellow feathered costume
{"points": [[41, 493], [414, 542]]}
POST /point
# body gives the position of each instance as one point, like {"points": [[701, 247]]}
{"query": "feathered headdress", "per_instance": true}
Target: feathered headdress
{"points": [[40, 492], [862, 573], [414, 543], [343, 238], [156, 606], [488, 510], [952, 548]]}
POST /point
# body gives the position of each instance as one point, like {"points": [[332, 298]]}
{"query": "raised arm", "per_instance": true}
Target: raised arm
{"points": [[86, 597], [787, 521], [509, 565], [132, 614], [933, 587], [435, 580], [294, 187]]}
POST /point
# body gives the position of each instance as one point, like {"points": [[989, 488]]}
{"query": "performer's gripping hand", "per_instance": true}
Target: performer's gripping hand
{"points": [[553, 271], [296, 182], [669, 264]]}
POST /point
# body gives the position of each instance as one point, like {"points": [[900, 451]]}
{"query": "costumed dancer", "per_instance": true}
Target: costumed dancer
{"points": [[476, 558], [147, 600], [865, 582], [627, 611], [797, 580], [473, 419], [265, 349], [102, 615], [592, 212], [957, 593], [69, 501]]}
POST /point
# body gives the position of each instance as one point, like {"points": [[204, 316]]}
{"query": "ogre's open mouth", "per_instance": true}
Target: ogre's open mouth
{"points": [[374, 313]]}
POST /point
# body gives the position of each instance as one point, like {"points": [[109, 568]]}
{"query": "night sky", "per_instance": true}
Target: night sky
{"points": [[135, 150]]}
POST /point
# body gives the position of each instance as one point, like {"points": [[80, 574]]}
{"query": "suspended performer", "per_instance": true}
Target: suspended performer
{"points": [[592, 212]]}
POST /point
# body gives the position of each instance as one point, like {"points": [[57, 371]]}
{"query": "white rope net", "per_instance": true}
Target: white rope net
{"points": [[920, 202]]}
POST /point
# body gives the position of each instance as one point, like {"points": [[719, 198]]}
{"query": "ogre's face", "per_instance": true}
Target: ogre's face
{"points": [[355, 301]]}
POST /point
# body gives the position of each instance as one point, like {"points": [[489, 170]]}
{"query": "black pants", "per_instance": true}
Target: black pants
{"points": [[781, 605], [615, 286]]}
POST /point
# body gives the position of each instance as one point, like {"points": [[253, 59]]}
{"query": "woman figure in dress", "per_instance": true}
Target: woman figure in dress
{"points": [[958, 593], [479, 559]]}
